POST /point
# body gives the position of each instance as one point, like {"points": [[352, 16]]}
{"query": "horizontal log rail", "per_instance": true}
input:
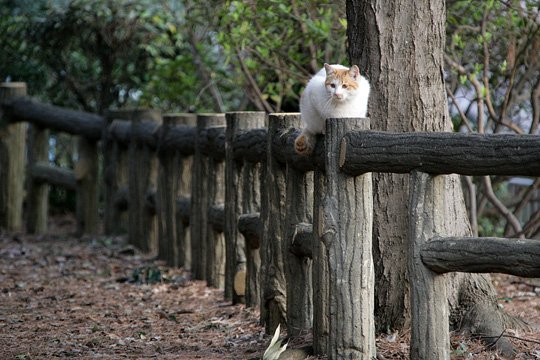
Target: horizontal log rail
{"points": [[520, 257], [183, 209], [302, 241], [44, 173], [212, 142], [121, 198], [216, 217], [178, 137], [52, 117], [440, 153], [146, 132], [250, 145], [283, 150], [250, 225]]}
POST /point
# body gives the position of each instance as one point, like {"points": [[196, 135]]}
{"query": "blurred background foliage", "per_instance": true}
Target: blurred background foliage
{"points": [[206, 56]]}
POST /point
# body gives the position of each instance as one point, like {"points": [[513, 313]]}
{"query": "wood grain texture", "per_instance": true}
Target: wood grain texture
{"points": [[274, 293], [242, 196], [12, 161], [346, 230], [250, 226], [200, 196], [172, 246], [298, 209], [442, 153], [520, 257], [430, 337]]}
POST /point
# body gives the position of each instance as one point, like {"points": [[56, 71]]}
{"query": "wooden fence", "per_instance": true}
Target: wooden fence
{"points": [[226, 196]]}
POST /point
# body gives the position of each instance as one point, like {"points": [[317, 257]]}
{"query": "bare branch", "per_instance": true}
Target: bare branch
{"points": [[535, 104], [263, 104], [472, 204], [463, 117], [503, 210], [204, 73]]}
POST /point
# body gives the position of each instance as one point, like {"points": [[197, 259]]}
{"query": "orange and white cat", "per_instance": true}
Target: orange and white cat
{"points": [[335, 91]]}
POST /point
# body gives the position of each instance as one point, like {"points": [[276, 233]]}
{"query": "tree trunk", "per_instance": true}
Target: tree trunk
{"points": [[399, 45]]}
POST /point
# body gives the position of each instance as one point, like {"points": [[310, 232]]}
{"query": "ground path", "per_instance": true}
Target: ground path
{"points": [[97, 298]]}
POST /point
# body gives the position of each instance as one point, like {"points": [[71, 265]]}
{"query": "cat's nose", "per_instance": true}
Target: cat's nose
{"points": [[339, 96]]}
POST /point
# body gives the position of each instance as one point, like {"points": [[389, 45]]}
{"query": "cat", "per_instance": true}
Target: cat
{"points": [[335, 91]]}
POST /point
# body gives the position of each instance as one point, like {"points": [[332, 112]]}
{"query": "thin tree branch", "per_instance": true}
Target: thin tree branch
{"points": [[463, 117], [253, 84], [203, 71], [503, 210], [535, 104], [472, 204]]}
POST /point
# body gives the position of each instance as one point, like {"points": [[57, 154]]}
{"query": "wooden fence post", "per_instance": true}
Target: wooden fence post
{"points": [[12, 163], [298, 210], [172, 182], [86, 174], [242, 196], [183, 224], [430, 338], [321, 281], [120, 194], [345, 225], [274, 291], [199, 195], [37, 197], [215, 238], [142, 230], [111, 159], [116, 167]]}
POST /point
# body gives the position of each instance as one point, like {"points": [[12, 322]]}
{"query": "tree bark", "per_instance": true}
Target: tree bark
{"points": [[399, 45]]}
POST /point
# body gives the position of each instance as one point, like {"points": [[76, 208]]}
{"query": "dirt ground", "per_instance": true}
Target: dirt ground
{"points": [[62, 297]]}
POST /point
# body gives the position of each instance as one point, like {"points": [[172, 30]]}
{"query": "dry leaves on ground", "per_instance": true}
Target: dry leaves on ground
{"points": [[99, 298]]}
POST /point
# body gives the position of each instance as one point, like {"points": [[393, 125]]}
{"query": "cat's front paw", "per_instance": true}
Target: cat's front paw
{"points": [[302, 145]]}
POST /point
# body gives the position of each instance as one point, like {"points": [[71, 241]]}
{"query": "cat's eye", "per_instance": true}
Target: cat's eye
{"points": [[332, 85], [344, 86]]}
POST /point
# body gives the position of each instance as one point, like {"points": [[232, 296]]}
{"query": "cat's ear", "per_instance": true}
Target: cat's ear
{"points": [[354, 72], [328, 68]]}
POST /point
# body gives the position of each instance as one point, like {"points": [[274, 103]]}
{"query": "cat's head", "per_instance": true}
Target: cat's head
{"points": [[341, 82]]}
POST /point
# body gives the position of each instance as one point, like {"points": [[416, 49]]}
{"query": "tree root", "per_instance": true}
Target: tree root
{"points": [[484, 322]]}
